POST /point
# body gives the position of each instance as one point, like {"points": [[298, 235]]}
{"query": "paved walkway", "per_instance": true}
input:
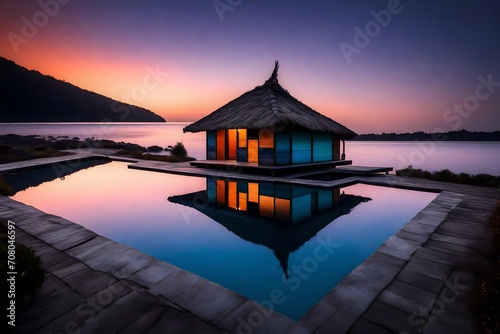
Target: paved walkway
{"points": [[417, 281]]}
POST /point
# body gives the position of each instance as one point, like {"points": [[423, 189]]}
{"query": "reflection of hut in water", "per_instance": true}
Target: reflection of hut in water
{"points": [[268, 126], [279, 216]]}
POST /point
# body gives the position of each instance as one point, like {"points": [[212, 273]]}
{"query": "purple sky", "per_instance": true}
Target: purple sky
{"points": [[411, 71]]}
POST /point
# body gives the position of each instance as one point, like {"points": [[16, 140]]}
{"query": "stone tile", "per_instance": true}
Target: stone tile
{"points": [[102, 254], [175, 284], [363, 326], [173, 321], [420, 280], [74, 240], [438, 256], [435, 327], [399, 247], [464, 228], [153, 273], [394, 319], [453, 249], [441, 314], [251, 317], [121, 313], [50, 285], [87, 281], [69, 269], [340, 322], [133, 265], [119, 260], [318, 314], [61, 265], [88, 247], [85, 310], [412, 236], [421, 229], [404, 304], [208, 300], [142, 324], [428, 268], [48, 308], [54, 258], [412, 293]]}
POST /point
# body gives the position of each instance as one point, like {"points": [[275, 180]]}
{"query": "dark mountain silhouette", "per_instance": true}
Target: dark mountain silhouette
{"points": [[29, 96], [462, 135]]}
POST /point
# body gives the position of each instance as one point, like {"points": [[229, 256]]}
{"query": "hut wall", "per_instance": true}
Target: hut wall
{"points": [[282, 148], [325, 199], [322, 147], [301, 207], [266, 147], [211, 144], [301, 147], [336, 149], [221, 144], [242, 151]]}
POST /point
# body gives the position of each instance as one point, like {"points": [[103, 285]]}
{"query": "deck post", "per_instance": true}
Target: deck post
{"points": [[343, 150]]}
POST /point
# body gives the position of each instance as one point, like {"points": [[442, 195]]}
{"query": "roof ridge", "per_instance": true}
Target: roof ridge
{"points": [[273, 102]]}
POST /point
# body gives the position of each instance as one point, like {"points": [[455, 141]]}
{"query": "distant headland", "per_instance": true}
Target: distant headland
{"points": [[29, 96]]}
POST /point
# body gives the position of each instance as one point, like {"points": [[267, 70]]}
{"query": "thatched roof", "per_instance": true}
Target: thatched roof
{"points": [[268, 106]]}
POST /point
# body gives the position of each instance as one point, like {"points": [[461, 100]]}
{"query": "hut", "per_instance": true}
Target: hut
{"points": [[268, 126]]}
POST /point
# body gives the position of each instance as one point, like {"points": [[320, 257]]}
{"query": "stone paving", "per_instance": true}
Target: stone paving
{"points": [[416, 282]]}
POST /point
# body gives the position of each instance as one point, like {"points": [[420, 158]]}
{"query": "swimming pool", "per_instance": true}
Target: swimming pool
{"points": [[253, 238]]}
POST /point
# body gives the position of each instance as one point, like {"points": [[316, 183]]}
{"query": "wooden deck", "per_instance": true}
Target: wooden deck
{"points": [[343, 170], [251, 167]]}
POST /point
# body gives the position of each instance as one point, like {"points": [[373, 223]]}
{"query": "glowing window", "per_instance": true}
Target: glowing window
{"points": [[231, 194], [282, 208], [221, 192], [253, 192], [231, 144], [242, 137], [266, 206], [242, 205]]}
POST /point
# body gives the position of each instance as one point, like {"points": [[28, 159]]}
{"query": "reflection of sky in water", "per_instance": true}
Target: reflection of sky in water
{"points": [[131, 207]]}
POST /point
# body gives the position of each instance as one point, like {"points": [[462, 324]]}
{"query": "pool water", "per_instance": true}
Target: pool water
{"points": [[288, 244]]}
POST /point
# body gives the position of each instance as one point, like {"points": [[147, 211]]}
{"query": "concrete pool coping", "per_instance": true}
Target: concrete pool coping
{"points": [[400, 287]]}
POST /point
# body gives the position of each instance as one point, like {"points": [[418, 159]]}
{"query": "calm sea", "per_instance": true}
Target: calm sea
{"points": [[468, 157]]}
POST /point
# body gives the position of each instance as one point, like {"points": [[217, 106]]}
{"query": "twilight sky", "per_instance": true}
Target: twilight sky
{"points": [[375, 66]]}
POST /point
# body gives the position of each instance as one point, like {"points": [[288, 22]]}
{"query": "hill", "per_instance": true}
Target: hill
{"points": [[462, 135], [29, 96]]}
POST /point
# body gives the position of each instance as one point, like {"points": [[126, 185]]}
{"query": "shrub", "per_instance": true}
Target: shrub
{"points": [[445, 175], [484, 180], [178, 150], [5, 188]]}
